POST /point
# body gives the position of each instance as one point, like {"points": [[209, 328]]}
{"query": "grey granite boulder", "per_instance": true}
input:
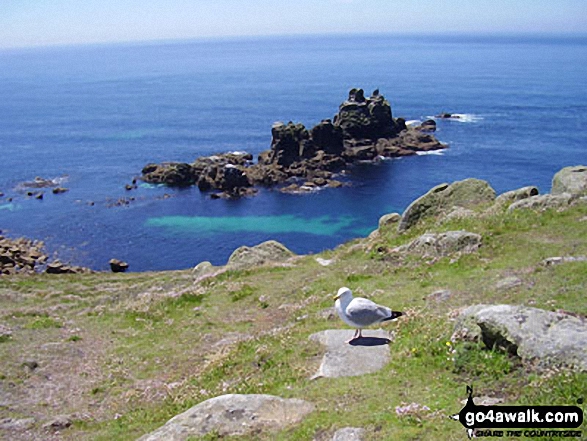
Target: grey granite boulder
{"points": [[388, 220], [363, 356], [444, 197], [443, 244], [543, 202], [509, 197], [572, 180], [233, 414], [547, 339], [266, 252]]}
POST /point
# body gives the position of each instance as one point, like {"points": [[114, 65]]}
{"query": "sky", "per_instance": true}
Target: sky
{"points": [[55, 22]]}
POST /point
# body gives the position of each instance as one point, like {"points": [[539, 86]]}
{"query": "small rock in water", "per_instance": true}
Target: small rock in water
{"points": [[118, 266]]}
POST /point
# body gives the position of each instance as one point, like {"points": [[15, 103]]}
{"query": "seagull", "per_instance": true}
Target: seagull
{"points": [[360, 313]]}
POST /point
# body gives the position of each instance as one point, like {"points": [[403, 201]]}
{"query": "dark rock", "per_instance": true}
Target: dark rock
{"points": [[118, 266], [30, 364], [58, 267], [427, 126], [327, 137], [59, 190], [60, 422]]}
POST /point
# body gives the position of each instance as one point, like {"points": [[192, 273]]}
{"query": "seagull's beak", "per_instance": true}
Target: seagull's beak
{"points": [[336, 297]]}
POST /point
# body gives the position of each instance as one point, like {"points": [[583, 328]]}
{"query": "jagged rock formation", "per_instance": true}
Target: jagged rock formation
{"points": [[362, 130]]}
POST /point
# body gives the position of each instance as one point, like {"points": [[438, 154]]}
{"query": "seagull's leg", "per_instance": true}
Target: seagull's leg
{"points": [[354, 336]]}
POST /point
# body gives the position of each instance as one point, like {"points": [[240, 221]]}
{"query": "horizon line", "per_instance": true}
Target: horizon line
{"points": [[252, 37]]}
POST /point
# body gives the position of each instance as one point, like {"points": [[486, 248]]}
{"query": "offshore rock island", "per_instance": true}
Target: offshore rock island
{"points": [[362, 130]]}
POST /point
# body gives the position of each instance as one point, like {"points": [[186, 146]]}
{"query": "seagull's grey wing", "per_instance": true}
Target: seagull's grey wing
{"points": [[364, 312]]}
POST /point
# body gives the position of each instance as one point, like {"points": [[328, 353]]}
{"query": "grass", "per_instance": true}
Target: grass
{"points": [[155, 344]]}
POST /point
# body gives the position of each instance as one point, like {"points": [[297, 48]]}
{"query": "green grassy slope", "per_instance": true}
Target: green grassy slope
{"points": [[123, 353]]}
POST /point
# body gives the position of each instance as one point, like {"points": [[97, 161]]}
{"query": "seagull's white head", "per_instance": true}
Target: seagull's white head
{"points": [[343, 293]]}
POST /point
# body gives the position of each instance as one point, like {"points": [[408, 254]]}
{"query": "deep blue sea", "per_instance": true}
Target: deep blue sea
{"points": [[93, 116]]}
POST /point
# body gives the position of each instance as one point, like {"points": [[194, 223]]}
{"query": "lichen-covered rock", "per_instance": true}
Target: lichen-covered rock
{"points": [[571, 180], [231, 415], [266, 252], [509, 197], [546, 339], [388, 220], [443, 244], [543, 202], [441, 199]]}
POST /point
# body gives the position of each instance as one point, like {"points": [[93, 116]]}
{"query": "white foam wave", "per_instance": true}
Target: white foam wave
{"points": [[460, 117], [431, 152], [413, 122]]}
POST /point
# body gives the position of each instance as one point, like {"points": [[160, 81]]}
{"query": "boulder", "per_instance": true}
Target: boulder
{"points": [[512, 196], [505, 200], [232, 415], [543, 338], [443, 244], [468, 193], [270, 251], [571, 180], [118, 266], [542, 202], [363, 356], [388, 220]]}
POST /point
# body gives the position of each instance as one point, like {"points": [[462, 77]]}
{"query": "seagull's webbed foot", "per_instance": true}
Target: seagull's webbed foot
{"points": [[357, 336]]}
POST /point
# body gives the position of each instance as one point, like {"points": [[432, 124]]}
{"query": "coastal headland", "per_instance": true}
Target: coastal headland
{"points": [[299, 159]]}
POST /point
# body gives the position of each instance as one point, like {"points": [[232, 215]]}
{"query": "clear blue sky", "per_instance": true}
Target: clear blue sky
{"points": [[48, 22]]}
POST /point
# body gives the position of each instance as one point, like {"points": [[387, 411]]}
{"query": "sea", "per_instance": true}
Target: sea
{"points": [[90, 117]]}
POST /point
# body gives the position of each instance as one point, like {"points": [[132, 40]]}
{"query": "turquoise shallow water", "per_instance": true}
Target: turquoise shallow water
{"points": [[320, 226], [93, 116]]}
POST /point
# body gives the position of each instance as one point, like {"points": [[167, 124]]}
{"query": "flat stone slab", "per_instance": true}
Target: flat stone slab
{"points": [[233, 414], [363, 356]]}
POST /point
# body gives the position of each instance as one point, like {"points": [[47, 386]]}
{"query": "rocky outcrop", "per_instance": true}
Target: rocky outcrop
{"points": [[543, 202], [443, 244], [232, 415], [442, 199], [270, 251], [58, 267], [543, 338], [20, 255], [362, 130], [362, 356], [571, 180]]}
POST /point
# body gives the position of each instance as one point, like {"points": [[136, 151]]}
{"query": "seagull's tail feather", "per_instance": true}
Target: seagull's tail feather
{"points": [[394, 315]]}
